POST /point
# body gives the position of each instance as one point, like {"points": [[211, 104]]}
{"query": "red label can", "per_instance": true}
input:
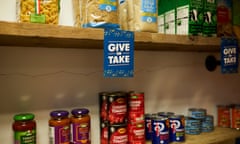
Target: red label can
{"points": [[136, 133], [117, 108], [135, 107], [223, 113], [103, 102], [235, 116], [104, 133], [118, 134]]}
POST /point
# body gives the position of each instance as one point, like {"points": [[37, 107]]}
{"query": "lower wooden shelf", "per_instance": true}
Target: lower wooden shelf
{"points": [[218, 136]]}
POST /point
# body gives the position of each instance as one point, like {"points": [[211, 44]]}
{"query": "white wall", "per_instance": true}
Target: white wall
{"points": [[39, 80]]}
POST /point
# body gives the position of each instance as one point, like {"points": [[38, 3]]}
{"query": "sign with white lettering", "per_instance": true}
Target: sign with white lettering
{"points": [[229, 55], [118, 53]]}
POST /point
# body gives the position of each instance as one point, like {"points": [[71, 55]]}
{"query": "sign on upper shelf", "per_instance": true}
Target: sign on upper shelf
{"points": [[118, 53]]}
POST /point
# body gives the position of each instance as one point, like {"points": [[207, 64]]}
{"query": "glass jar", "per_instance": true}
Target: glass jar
{"points": [[59, 127], [24, 128], [80, 123]]}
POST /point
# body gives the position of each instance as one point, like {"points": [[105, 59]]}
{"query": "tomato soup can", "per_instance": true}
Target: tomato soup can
{"points": [[193, 126], [103, 105], [104, 132], [197, 113], [160, 128], [223, 116], [177, 128], [136, 133], [235, 116], [135, 107], [118, 134], [117, 108], [208, 124]]}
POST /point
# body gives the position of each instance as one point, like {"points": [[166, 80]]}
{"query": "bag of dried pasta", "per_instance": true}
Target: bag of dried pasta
{"points": [[38, 11], [77, 17], [123, 14], [99, 13], [143, 15]]}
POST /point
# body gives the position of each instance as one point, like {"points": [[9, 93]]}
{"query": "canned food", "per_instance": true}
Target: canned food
{"points": [[207, 124], [160, 128], [135, 107], [235, 116], [223, 113], [103, 102], [177, 130], [118, 134], [165, 114], [117, 107], [104, 133], [148, 125], [136, 133], [192, 126], [197, 113]]}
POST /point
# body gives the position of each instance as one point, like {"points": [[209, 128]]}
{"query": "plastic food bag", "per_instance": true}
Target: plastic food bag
{"points": [[38, 11]]}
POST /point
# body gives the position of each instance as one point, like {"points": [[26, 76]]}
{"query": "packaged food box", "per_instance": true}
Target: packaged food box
{"points": [[210, 18]]}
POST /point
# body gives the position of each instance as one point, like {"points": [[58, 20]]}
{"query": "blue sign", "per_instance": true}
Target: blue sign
{"points": [[229, 55], [118, 53]]}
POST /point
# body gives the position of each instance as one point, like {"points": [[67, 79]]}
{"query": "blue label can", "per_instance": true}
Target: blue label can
{"points": [[192, 126], [160, 130], [197, 113], [177, 128]]}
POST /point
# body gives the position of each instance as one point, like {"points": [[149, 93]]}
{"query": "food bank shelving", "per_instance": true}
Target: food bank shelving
{"points": [[52, 36]]}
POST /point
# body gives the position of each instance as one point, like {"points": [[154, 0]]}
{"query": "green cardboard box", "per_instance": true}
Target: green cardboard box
{"points": [[210, 18]]}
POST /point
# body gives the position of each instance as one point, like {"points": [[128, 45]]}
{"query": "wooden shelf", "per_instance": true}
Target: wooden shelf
{"points": [[218, 136], [42, 35]]}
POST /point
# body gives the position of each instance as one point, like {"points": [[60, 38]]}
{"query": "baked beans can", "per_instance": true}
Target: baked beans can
{"points": [[117, 108], [166, 114], [160, 130], [104, 132], [197, 113], [148, 125], [193, 126], [118, 134], [103, 100], [235, 116], [223, 116], [208, 124], [177, 128], [135, 107], [136, 133]]}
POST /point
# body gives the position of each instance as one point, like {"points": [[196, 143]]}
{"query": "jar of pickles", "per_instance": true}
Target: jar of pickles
{"points": [[80, 124], [24, 128], [59, 127]]}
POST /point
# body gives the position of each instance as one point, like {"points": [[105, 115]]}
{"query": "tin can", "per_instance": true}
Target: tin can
{"points": [[148, 125], [160, 128], [135, 107], [103, 103], [192, 126], [117, 108], [197, 113], [136, 133], [118, 134], [235, 116], [208, 124], [104, 132], [223, 115], [177, 128], [165, 114]]}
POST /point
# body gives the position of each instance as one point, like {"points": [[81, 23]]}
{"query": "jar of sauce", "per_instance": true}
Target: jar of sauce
{"points": [[24, 128], [80, 123], [59, 127]]}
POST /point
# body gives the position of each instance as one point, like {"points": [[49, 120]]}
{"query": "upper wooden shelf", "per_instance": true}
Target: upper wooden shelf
{"points": [[52, 36]]}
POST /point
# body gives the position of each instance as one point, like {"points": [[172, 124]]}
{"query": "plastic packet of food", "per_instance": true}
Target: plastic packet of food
{"points": [[123, 14], [38, 11]]}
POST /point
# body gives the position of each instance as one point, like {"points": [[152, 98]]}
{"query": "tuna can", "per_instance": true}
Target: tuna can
{"points": [[135, 107], [235, 116], [148, 126], [208, 124], [192, 126], [160, 130], [197, 113], [103, 103], [177, 130], [136, 133], [117, 108], [223, 113], [104, 132], [118, 134], [165, 114]]}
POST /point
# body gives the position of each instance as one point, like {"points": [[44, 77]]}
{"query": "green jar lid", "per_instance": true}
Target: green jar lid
{"points": [[24, 117]]}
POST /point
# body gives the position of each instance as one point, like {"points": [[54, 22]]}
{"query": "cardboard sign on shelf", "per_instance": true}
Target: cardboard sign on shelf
{"points": [[118, 53]]}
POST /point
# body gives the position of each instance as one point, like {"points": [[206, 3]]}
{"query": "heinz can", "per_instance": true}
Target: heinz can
{"points": [[160, 130], [135, 107], [103, 103], [118, 134], [117, 108], [148, 125], [104, 132], [235, 116], [177, 128], [197, 113], [223, 116], [136, 133]]}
